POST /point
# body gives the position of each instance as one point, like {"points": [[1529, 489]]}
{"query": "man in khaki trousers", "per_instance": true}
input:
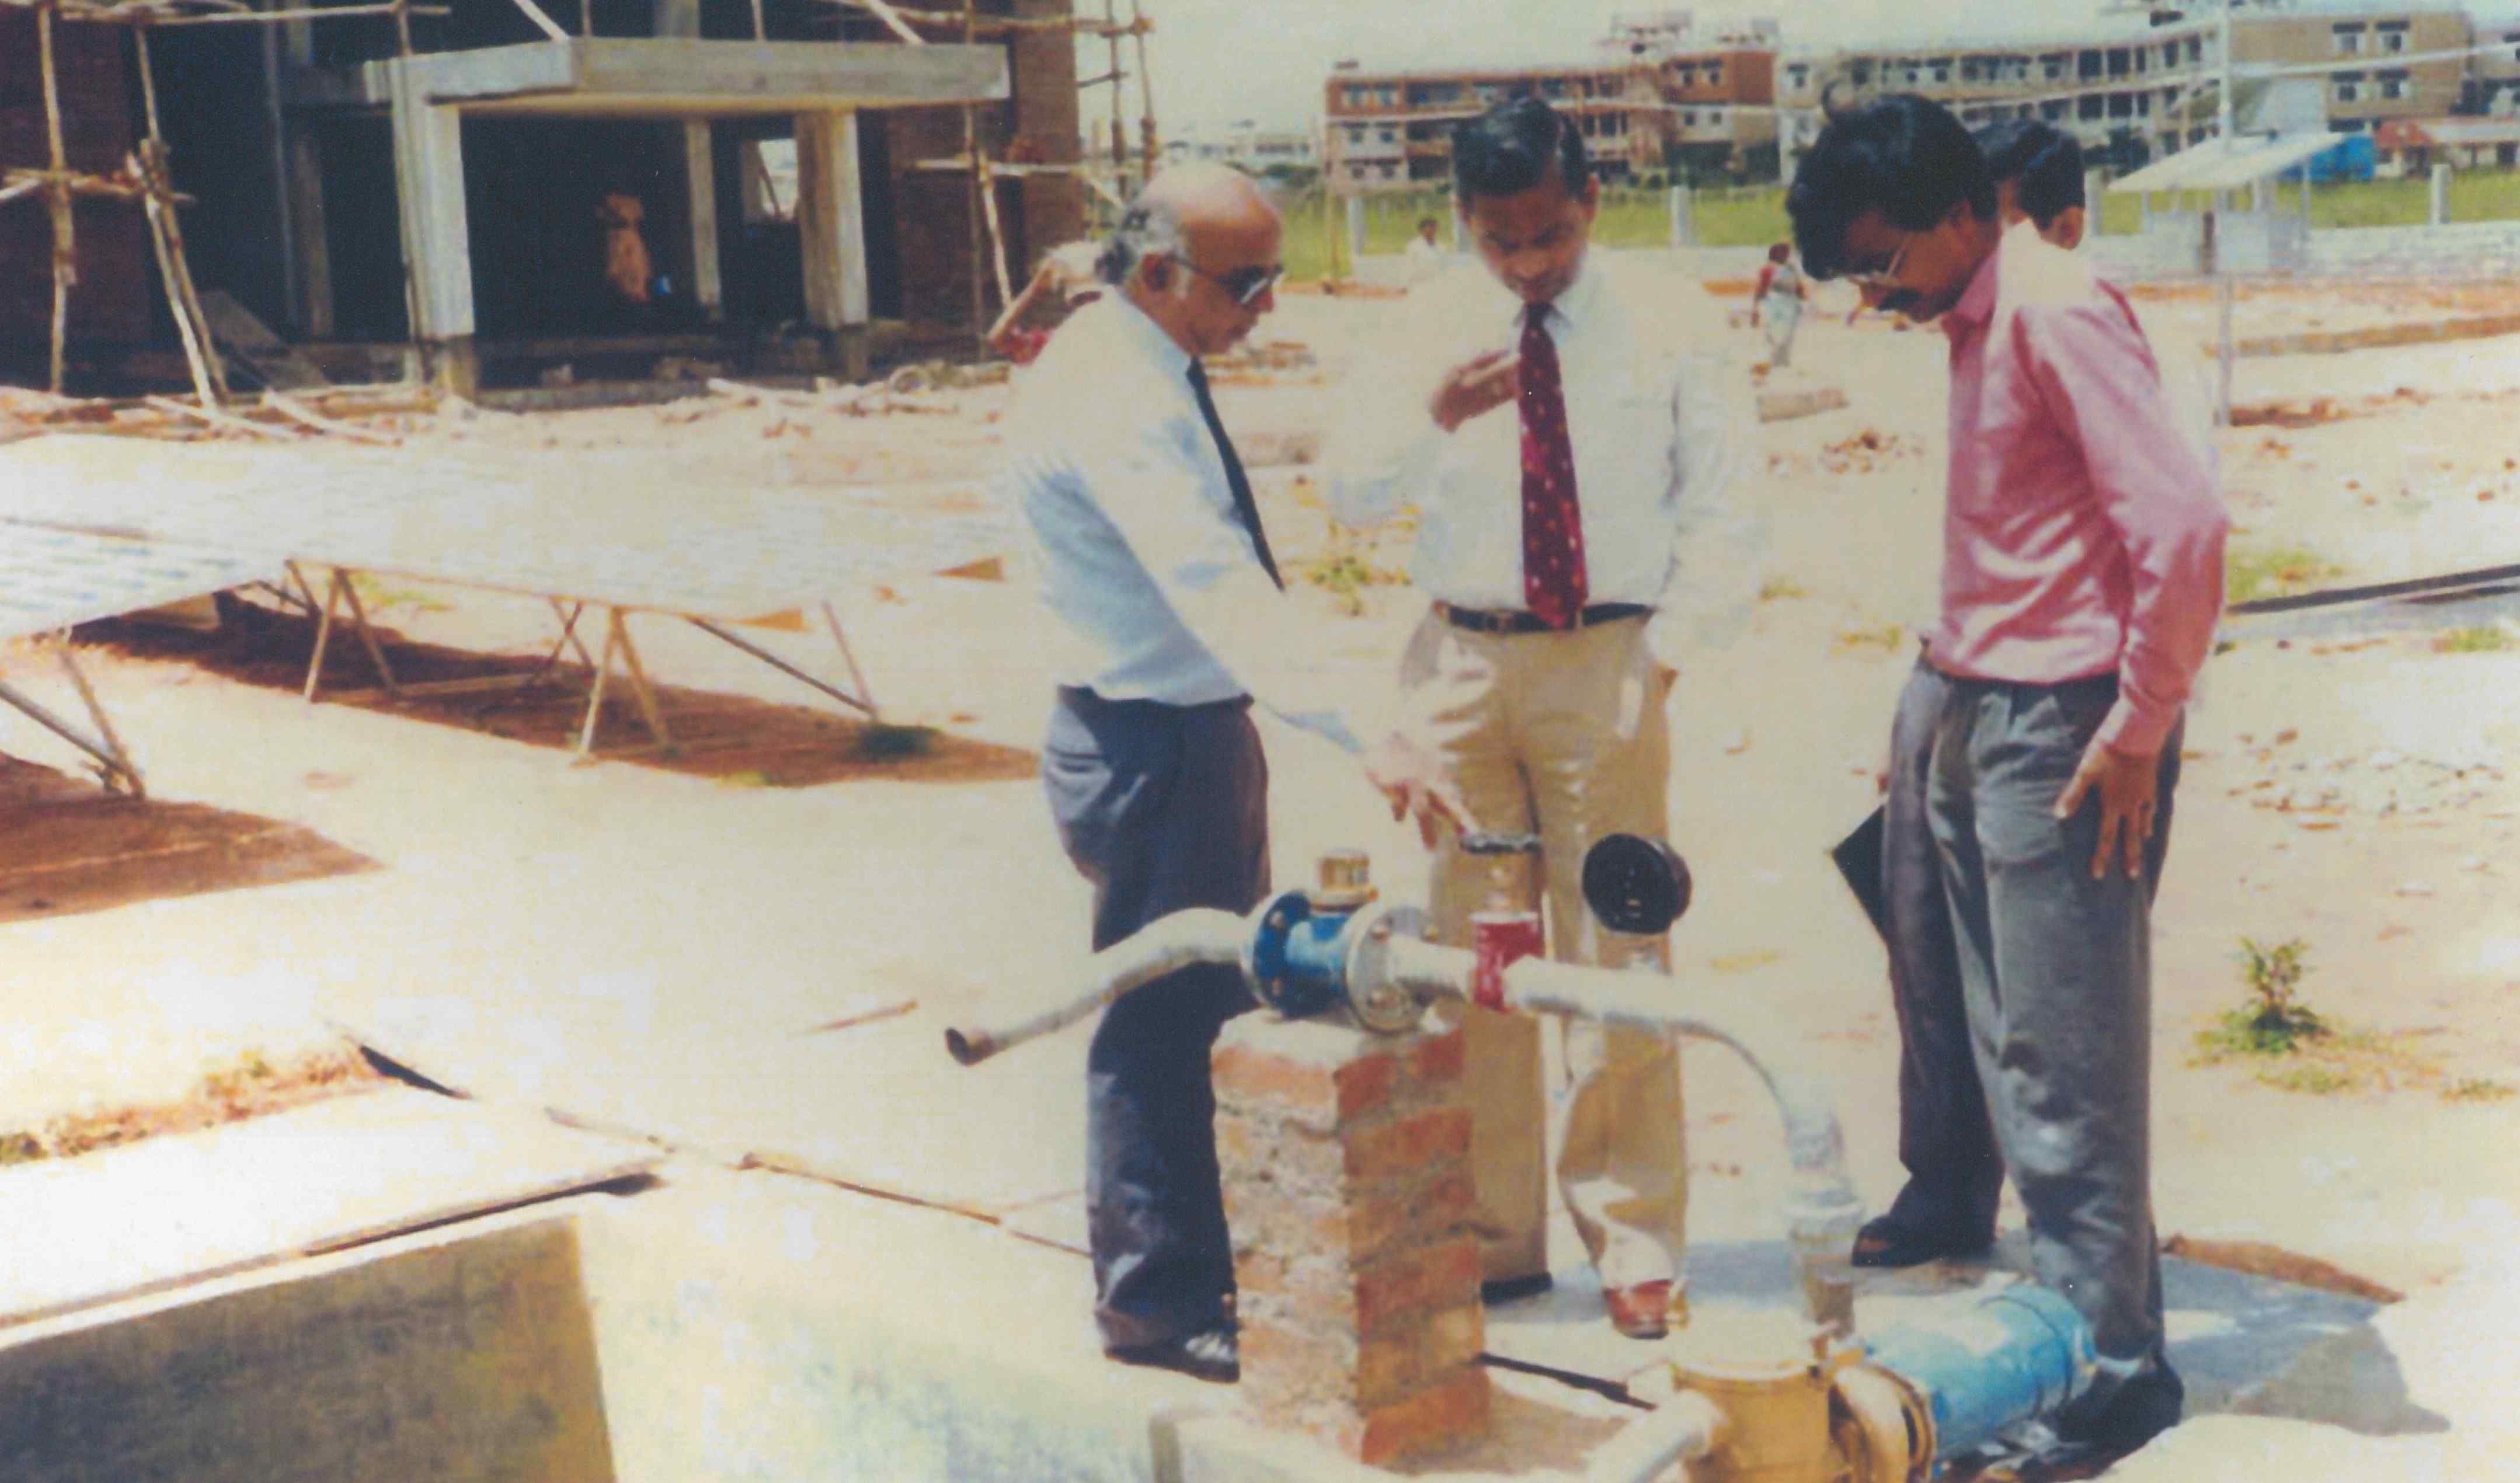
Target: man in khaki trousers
{"points": [[1550, 545]]}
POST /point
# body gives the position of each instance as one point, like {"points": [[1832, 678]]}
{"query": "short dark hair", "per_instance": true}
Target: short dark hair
{"points": [[1507, 150], [2043, 162], [1902, 155]]}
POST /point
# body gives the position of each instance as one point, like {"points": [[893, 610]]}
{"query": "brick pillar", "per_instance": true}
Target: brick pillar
{"points": [[1345, 1157]]}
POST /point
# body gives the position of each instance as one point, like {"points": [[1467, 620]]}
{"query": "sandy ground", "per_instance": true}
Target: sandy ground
{"points": [[2358, 796]]}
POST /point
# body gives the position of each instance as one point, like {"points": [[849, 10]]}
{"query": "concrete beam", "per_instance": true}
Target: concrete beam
{"points": [[686, 77], [436, 229], [700, 181], [831, 225]]}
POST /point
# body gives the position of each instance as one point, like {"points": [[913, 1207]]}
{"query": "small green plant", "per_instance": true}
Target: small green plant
{"points": [[2473, 641], [1344, 571], [378, 596], [2272, 1023], [880, 742], [750, 777], [1781, 589], [2250, 572], [2477, 1088], [2313, 1078]]}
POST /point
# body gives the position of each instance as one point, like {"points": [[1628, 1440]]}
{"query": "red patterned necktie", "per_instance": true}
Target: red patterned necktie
{"points": [[1552, 528]]}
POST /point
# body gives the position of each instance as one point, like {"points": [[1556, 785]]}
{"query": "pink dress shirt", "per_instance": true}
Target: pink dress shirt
{"points": [[2082, 533]]}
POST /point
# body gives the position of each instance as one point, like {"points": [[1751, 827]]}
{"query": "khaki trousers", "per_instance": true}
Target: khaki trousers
{"points": [[1563, 735]]}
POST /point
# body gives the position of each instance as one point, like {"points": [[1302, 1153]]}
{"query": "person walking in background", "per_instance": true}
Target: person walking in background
{"points": [[1779, 297], [2082, 577], [1543, 412], [1425, 257]]}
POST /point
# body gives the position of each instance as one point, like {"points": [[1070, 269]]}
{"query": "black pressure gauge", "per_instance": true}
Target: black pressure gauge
{"points": [[1636, 885]]}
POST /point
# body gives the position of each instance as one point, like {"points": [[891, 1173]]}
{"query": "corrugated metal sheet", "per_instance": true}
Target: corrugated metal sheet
{"points": [[2222, 164]]}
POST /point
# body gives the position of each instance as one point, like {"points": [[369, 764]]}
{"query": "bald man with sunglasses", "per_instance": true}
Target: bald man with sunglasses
{"points": [[1164, 604]]}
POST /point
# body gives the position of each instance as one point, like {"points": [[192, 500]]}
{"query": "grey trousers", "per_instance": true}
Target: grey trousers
{"points": [[1162, 808], [2055, 972], [1954, 1172]]}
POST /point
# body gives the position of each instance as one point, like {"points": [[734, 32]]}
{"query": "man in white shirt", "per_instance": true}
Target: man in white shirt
{"points": [[1163, 601], [1540, 417], [1423, 259]]}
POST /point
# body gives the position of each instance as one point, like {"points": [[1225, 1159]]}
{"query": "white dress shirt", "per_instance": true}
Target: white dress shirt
{"points": [[1652, 412], [1151, 581]]}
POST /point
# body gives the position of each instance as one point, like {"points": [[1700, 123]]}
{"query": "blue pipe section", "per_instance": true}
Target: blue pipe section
{"points": [[1989, 1365], [1298, 965]]}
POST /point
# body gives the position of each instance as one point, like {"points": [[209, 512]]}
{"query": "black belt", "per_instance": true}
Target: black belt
{"points": [[1477, 621], [1083, 698]]}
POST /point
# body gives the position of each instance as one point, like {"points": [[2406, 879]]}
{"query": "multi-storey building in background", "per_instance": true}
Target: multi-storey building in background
{"points": [[1247, 147], [1666, 96], [1658, 97]]}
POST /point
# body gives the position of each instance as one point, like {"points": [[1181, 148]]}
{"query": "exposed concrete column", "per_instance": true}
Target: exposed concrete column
{"points": [[313, 290], [2441, 195], [1356, 235], [1682, 206], [700, 175], [437, 231], [831, 225]]}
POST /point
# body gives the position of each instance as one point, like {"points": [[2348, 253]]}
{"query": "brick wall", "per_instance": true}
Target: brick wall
{"points": [[933, 209], [1345, 1159]]}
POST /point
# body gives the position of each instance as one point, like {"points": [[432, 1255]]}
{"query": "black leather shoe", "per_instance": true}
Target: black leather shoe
{"points": [[1210, 1354], [1506, 1289], [1884, 1243], [2142, 1408]]}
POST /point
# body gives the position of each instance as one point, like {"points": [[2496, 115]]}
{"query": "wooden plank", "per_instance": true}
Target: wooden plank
{"points": [[339, 1173], [236, 329], [466, 1355]]}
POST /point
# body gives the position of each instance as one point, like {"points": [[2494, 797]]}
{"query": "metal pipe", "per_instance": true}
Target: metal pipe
{"points": [[1682, 1430], [1179, 941], [1822, 1208]]}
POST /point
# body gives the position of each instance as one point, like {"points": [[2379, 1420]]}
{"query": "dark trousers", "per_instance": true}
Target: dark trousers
{"points": [[2054, 972], [1163, 808], [1954, 1174]]}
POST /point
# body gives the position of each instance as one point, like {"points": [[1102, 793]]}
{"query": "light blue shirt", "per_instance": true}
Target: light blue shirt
{"points": [[1152, 585]]}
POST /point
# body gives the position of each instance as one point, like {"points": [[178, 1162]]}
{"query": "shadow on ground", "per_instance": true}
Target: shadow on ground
{"points": [[734, 739], [73, 847]]}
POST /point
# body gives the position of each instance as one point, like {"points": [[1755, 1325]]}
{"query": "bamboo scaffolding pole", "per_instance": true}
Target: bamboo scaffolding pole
{"points": [[149, 166], [1146, 88], [398, 8], [973, 199], [57, 197], [992, 26]]}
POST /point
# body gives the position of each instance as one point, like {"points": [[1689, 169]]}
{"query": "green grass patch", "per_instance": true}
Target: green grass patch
{"points": [[2485, 640], [2474, 196], [1781, 589], [2313, 1078], [2477, 1088], [2250, 572], [882, 742], [1723, 216]]}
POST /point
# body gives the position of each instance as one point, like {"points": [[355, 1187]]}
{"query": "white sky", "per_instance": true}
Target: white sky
{"points": [[1218, 61]]}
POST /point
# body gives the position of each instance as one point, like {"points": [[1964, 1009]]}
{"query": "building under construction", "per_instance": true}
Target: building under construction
{"points": [[478, 190]]}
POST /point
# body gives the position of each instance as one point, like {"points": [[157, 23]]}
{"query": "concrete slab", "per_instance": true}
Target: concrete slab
{"points": [[339, 1173], [685, 77], [460, 1354]]}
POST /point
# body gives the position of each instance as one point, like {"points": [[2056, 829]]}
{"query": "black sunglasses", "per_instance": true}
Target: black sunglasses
{"points": [[1245, 284]]}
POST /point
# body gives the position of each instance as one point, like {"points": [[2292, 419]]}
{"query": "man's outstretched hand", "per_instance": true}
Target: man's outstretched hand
{"points": [[2130, 788], [1411, 779]]}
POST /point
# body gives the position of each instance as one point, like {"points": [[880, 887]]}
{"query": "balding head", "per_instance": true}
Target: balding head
{"points": [[1190, 247]]}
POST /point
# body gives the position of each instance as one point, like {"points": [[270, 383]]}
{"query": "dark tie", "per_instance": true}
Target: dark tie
{"points": [[1553, 528], [1234, 476]]}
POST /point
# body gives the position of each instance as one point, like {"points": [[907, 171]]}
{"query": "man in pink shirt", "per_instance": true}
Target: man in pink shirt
{"points": [[2082, 577]]}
